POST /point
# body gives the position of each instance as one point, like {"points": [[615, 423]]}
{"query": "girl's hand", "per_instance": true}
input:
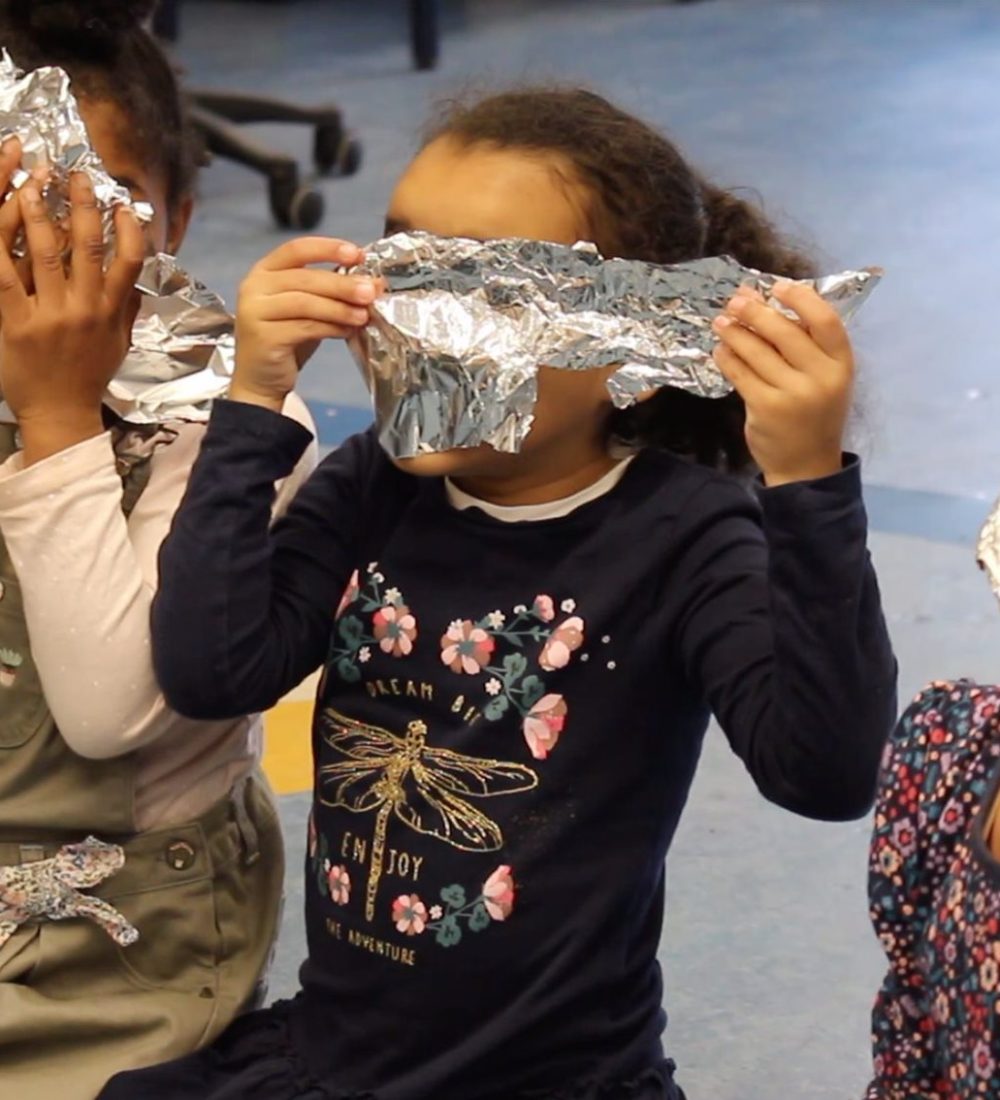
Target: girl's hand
{"points": [[795, 379], [63, 338], [286, 308]]}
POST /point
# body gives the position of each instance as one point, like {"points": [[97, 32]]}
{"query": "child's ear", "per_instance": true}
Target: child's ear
{"points": [[180, 219]]}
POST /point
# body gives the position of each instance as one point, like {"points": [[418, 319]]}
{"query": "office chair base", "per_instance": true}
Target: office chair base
{"points": [[294, 203]]}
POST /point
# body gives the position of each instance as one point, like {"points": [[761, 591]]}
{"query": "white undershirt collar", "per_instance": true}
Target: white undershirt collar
{"points": [[532, 513]]}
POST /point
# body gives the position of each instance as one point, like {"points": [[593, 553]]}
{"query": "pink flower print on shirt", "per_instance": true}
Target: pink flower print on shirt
{"points": [[409, 914], [466, 647], [458, 911], [351, 593], [544, 724], [544, 608], [395, 630], [904, 836], [499, 648], [498, 893], [982, 1060], [564, 641], [339, 884], [313, 839]]}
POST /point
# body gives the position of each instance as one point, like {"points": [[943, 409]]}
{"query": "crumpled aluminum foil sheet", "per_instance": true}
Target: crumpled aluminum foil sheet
{"points": [[39, 108], [988, 549], [183, 349], [182, 353], [451, 354]]}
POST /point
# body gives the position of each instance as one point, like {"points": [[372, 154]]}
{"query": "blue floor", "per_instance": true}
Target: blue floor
{"points": [[870, 128]]}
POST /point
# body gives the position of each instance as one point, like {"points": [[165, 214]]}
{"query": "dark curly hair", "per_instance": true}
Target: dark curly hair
{"points": [[110, 56], [646, 203]]}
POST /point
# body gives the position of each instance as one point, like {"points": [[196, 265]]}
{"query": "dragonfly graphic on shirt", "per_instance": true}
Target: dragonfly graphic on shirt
{"points": [[425, 788]]}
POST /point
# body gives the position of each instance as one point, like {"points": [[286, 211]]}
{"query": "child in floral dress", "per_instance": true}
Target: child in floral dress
{"points": [[935, 897]]}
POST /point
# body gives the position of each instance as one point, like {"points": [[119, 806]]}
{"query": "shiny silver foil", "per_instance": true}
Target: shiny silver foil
{"points": [[452, 352], [39, 108], [988, 549], [182, 352]]}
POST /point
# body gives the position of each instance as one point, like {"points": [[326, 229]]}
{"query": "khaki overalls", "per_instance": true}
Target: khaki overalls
{"points": [[205, 896]]}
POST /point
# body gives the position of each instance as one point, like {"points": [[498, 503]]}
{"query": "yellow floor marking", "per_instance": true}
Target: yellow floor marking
{"points": [[287, 746]]}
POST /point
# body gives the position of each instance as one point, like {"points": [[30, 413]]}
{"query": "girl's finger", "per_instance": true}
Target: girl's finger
{"points": [[23, 266], [10, 161], [820, 319], [796, 346], [86, 238], [311, 250], [11, 221], [747, 383], [360, 290], [295, 305], [43, 245], [15, 305], [130, 253], [10, 209], [299, 334], [756, 352]]}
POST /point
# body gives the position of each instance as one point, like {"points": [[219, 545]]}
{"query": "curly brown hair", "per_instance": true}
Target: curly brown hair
{"points": [[646, 203]]}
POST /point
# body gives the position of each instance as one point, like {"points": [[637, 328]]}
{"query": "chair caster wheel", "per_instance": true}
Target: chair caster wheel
{"points": [[336, 152], [351, 155], [297, 206]]}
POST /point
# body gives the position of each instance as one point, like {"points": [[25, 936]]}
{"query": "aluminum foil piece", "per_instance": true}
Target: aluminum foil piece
{"points": [[452, 352], [39, 108], [988, 549], [183, 349]]}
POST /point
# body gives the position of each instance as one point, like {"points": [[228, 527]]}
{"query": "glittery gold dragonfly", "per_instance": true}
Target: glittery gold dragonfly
{"points": [[425, 788]]}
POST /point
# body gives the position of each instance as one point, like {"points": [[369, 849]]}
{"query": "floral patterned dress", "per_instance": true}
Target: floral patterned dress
{"points": [[935, 900]]}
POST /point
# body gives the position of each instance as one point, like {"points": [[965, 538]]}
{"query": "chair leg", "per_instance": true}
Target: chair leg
{"points": [[237, 107], [424, 33], [167, 20], [294, 205], [335, 149]]}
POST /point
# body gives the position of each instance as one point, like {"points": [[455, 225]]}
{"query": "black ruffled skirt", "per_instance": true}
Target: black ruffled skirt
{"points": [[257, 1059]]}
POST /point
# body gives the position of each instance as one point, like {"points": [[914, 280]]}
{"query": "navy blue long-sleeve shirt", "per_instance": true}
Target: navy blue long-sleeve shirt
{"points": [[507, 728]]}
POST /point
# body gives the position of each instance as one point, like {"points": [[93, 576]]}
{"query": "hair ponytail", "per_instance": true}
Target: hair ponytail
{"points": [[737, 229]]}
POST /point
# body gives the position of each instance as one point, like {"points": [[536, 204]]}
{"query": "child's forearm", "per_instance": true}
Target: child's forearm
{"points": [[240, 618], [251, 397], [45, 435], [788, 641], [86, 601], [834, 691]]}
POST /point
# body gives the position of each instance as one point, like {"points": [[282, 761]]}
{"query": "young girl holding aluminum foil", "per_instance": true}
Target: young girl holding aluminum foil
{"points": [[526, 600], [118, 817], [934, 885]]}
